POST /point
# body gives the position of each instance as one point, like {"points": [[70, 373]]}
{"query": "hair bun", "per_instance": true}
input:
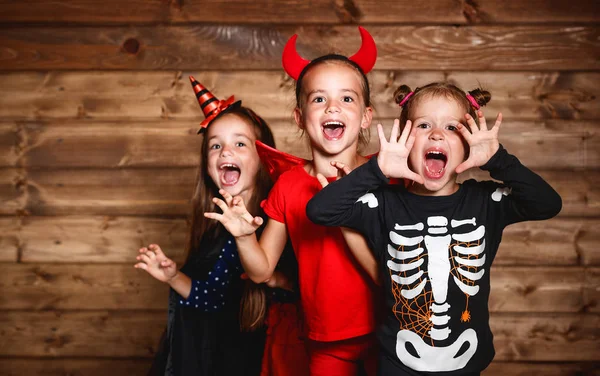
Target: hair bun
{"points": [[482, 97], [401, 92]]}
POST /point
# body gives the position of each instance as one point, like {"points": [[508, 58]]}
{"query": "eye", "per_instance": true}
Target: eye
{"points": [[423, 125], [240, 144], [452, 127], [215, 146], [318, 100], [348, 99]]}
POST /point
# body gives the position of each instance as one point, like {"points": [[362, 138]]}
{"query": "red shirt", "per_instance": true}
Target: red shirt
{"points": [[337, 297]]}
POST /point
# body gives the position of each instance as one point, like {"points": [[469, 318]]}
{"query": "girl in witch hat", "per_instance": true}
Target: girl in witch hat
{"points": [[215, 318], [333, 107]]}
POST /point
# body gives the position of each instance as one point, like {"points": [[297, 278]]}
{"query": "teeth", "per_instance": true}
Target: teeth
{"points": [[435, 152], [228, 165], [335, 123]]}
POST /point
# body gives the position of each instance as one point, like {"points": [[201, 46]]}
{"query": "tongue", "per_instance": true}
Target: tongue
{"points": [[231, 176], [435, 165], [333, 132]]}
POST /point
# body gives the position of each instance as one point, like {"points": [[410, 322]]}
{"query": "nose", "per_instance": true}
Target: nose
{"points": [[332, 107], [226, 150], [436, 134]]}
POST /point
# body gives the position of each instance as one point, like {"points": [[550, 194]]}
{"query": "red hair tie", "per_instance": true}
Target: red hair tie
{"points": [[473, 101], [403, 101]]}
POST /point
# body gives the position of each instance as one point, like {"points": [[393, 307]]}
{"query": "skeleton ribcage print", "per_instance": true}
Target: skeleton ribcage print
{"points": [[425, 259]]}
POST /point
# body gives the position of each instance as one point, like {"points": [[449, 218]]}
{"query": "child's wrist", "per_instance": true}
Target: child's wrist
{"points": [[174, 278]]}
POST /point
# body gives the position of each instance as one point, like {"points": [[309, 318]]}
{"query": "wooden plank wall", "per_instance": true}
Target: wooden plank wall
{"points": [[98, 154]]}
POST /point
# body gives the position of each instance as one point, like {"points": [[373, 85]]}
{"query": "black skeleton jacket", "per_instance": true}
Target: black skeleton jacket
{"points": [[434, 255]]}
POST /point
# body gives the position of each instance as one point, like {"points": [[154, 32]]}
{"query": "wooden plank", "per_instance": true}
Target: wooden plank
{"points": [[546, 338], [561, 47], [99, 239], [540, 338], [579, 190], [118, 334], [85, 287], [498, 368], [544, 289], [161, 95], [12, 191], [175, 143], [556, 242], [9, 239], [156, 192], [74, 366], [291, 12], [120, 287], [166, 192]]}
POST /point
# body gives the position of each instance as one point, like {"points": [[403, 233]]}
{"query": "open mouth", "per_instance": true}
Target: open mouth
{"points": [[435, 163], [333, 130], [230, 174]]}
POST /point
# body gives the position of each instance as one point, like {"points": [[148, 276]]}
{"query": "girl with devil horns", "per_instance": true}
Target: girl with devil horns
{"points": [[333, 107], [215, 317]]}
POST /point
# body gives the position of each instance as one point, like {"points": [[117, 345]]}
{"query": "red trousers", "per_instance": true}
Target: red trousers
{"points": [[350, 357]]}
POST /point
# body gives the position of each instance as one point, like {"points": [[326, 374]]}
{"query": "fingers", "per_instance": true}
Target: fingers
{"points": [[405, 132], [464, 131], [395, 131], [220, 203], [215, 216], [226, 196], [323, 180], [496, 126], [482, 123], [258, 221], [472, 124], [381, 135], [415, 177], [156, 249], [464, 166], [141, 265]]}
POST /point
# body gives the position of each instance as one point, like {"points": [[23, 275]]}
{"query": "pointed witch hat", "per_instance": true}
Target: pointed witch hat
{"points": [[210, 105]]}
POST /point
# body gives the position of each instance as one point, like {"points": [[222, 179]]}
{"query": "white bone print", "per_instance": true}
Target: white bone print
{"points": [[433, 254]]}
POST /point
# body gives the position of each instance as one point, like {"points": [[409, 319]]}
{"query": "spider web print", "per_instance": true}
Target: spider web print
{"points": [[415, 314]]}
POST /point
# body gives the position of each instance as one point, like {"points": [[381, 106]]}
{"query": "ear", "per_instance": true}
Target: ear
{"points": [[298, 118], [367, 118]]}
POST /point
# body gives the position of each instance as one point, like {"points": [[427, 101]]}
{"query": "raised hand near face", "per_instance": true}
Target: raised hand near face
{"points": [[483, 143], [393, 155], [235, 218], [153, 260]]}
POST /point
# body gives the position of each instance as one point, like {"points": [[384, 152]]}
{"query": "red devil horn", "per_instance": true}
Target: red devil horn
{"points": [[367, 54], [293, 63]]}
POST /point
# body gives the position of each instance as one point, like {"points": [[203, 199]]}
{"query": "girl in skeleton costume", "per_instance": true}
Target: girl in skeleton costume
{"points": [[435, 239], [215, 318], [333, 108]]}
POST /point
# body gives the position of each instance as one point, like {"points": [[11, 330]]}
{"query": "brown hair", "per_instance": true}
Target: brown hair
{"points": [[365, 134], [202, 230], [437, 89]]}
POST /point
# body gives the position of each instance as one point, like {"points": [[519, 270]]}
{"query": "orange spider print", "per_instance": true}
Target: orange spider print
{"points": [[465, 316]]}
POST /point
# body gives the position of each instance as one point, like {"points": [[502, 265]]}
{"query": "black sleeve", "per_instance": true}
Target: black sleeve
{"points": [[335, 205], [531, 198]]}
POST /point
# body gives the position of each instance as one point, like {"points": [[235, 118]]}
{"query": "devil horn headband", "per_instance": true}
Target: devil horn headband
{"points": [[294, 64]]}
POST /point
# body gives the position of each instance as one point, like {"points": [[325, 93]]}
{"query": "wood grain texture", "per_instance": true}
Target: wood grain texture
{"points": [[51, 334], [500, 368], [121, 287], [290, 11], [118, 144], [140, 95], [98, 239], [114, 287], [166, 192], [243, 47], [94, 239]]}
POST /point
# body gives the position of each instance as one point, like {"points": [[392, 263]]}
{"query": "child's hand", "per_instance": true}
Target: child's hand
{"points": [[342, 169], [483, 143], [154, 261], [235, 218], [393, 155]]}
